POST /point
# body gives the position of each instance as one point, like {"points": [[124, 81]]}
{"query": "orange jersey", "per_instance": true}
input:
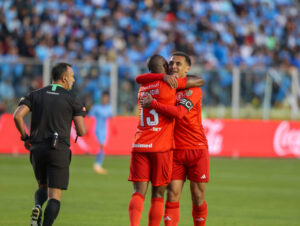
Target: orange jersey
{"points": [[189, 132], [155, 130]]}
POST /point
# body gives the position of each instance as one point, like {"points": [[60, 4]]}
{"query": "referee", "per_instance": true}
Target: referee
{"points": [[53, 110]]}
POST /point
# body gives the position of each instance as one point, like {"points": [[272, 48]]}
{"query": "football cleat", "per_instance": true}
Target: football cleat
{"points": [[98, 169], [36, 216]]}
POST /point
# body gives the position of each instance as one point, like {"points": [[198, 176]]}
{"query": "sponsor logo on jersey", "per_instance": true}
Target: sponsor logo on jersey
{"points": [[151, 86], [156, 129], [52, 93], [154, 91], [142, 145]]}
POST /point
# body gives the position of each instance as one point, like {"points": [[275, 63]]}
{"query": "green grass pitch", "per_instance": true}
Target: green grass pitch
{"points": [[241, 192]]}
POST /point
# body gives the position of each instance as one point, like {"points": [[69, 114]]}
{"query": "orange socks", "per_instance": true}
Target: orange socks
{"points": [[156, 211], [135, 208], [200, 214], [172, 214]]}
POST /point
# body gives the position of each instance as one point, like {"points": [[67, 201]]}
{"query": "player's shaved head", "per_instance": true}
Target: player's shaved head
{"points": [[157, 64]]}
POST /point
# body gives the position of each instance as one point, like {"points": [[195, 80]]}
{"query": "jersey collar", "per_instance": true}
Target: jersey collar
{"points": [[54, 86]]}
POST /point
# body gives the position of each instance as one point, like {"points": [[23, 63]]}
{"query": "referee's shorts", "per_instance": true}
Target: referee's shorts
{"points": [[51, 166]]}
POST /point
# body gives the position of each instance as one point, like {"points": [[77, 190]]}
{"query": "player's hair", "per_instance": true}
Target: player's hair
{"points": [[105, 92], [187, 58], [58, 70], [156, 64]]}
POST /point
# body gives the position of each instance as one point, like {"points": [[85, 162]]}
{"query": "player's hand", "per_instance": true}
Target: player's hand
{"points": [[146, 101], [27, 144], [171, 80], [175, 75]]}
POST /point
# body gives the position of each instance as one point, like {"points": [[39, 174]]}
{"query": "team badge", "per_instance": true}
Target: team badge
{"points": [[188, 93], [22, 98], [179, 96]]}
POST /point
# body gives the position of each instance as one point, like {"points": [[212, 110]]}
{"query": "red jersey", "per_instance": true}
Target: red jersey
{"points": [[189, 132], [155, 130]]}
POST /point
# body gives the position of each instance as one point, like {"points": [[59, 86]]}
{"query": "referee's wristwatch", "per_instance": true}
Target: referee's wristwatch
{"points": [[25, 138]]}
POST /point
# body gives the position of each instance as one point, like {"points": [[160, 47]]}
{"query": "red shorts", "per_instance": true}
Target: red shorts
{"points": [[192, 164], [155, 167]]}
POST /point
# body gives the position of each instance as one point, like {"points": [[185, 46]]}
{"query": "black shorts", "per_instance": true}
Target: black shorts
{"points": [[51, 166]]}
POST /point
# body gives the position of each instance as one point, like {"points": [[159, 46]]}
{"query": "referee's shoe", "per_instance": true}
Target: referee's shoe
{"points": [[36, 216]]}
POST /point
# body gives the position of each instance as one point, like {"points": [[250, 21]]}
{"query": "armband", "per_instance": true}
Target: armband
{"points": [[186, 103]]}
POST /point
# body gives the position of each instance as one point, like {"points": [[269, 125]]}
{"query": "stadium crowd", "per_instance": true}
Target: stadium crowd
{"points": [[218, 34]]}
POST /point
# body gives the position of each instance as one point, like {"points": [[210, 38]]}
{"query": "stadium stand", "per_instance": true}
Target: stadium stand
{"points": [[253, 35]]}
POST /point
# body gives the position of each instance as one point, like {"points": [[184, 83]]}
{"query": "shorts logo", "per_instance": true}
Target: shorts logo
{"points": [[186, 103], [203, 176]]}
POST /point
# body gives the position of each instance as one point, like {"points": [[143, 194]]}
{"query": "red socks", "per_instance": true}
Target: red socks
{"points": [[135, 208], [200, 214], [156, 211], [172, 214]]}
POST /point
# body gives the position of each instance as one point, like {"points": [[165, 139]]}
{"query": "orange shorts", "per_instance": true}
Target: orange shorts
{"points": [[155, 167], [192, 164]]}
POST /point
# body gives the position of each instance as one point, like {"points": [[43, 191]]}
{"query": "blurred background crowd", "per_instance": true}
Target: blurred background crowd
{"points": [[251, 35]]}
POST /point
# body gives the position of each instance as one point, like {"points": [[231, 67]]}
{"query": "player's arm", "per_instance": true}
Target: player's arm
{"points": [[194, 81], [151, 77], [171, 80], [79, 112], [167, 110], [79, 125], [19, 114]]}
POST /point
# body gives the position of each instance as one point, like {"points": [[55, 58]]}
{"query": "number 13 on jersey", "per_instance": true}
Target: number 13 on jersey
{"points": [[151, 120]]}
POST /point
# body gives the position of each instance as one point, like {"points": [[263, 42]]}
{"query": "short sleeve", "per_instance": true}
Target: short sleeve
{"points": [[26, 100], [181, 83], [78, 108]]}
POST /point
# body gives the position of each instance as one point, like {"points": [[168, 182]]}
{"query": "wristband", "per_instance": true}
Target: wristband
{"points": [[25, 138]]}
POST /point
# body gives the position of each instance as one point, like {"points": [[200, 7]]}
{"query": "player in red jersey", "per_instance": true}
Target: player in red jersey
{"points": [[191, 159], [153, 144]]}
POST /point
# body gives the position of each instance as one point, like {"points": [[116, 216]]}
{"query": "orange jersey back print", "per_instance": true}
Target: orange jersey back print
{"points": [[155, 131], [189, 132]]}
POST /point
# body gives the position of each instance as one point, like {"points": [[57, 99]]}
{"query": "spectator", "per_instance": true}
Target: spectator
{"points": [[218, 34]]}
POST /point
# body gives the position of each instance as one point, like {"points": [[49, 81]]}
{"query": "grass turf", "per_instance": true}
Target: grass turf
{"points": [[242, 192]]}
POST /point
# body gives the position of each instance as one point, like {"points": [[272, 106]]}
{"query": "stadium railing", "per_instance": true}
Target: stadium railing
{"points": [[232, 92]]}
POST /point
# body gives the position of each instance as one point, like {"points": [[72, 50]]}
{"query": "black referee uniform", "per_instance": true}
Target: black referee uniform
{"points": [[53, 109]]}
